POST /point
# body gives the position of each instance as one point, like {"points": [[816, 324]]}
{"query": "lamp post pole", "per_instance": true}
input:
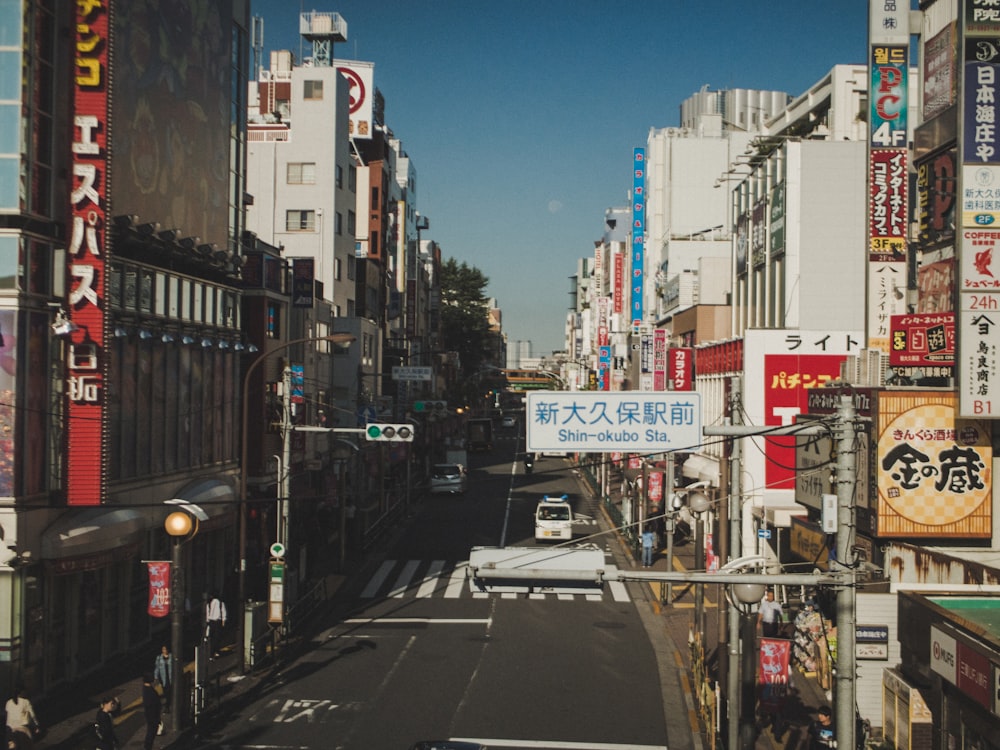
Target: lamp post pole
{"points": [[334, 338], [179, 525]]}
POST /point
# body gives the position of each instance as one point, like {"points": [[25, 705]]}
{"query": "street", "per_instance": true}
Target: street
{"points": [[413, 653]]}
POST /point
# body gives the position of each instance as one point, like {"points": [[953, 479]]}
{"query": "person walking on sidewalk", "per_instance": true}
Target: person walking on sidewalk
{"points": [[648, 538], [769, 615], [821, 732], [104, 724], [22, 724], [215, 621], [151, 710], [163, 673]]}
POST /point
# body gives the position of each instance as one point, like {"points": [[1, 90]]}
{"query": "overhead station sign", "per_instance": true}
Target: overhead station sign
{"points": [[601, 422]]}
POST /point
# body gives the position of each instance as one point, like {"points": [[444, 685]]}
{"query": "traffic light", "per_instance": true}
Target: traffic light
{"points": [[430, 407], [395, 432]]}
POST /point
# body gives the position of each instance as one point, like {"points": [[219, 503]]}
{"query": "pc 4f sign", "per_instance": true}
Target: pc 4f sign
{"points": [[600, 422]]}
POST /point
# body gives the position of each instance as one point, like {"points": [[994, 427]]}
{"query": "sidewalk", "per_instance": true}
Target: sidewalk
{"points": [[68, 718], [804, 693]]}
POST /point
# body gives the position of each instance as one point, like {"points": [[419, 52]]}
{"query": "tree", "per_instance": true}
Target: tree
{"points": [[464, 319]]}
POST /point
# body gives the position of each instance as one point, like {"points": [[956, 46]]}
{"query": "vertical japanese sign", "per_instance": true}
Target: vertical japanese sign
{"points": [[87, 258], [638, 232], [660, 359], [159, 588], [680, 368], [888, 199], [978, 283], [618, 281]]}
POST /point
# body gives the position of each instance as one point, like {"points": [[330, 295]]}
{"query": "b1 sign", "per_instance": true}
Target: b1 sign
{"points": [[601, 422]]}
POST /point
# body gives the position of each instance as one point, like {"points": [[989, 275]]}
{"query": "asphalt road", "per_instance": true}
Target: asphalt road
{"points": [[412, 652]]}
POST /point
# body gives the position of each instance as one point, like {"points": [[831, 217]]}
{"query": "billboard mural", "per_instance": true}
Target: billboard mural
{"points": [[171, 104], [933, 469]]}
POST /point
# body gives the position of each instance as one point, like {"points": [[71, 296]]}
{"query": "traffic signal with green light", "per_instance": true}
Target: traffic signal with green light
{"points": [[395, 432], [430, 407]]}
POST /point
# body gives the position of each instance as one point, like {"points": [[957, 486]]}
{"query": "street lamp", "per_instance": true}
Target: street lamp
{"points": [[334, 338], [746, 595], [180, 526]]}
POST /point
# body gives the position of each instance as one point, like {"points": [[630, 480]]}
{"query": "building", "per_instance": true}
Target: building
{"points": [[122, 334]]}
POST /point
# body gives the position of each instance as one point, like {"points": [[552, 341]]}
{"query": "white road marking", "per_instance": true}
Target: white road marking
{"points": [[618, 591], [430, 582], [555, 745], [403, 582], [457, 581], [376, 582], [421, 620]]}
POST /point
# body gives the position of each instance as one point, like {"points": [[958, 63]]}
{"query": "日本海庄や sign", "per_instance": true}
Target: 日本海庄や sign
{"points": [[598, 422]]}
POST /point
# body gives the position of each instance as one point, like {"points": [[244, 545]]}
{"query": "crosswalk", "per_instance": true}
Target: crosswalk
{"points": [[424, 579]]}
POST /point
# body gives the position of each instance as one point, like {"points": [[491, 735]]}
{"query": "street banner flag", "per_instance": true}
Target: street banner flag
{"points": [[159, 588], [772, 673]]}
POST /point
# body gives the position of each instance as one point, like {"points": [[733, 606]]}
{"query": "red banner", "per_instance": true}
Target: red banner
{"points": [[159, 588], [654, 492], [772, 673]]}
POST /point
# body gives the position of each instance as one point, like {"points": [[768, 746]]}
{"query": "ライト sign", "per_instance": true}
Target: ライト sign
{"points": [[599, 422]]}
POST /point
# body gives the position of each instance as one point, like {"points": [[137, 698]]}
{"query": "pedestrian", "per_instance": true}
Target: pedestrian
{"points": [[104, 725], [163, 673], [22, 724], [769, 615], [151, 710], [215, 621], [821, 732], [648, 537]]}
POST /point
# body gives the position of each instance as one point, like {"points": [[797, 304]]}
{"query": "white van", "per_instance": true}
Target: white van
{"points": [[554, 519]]}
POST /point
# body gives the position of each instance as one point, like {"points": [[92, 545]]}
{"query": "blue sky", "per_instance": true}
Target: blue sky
{"points": [[521, 117]]}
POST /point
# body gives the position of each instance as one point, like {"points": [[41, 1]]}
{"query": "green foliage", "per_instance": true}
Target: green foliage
{"points": [[464, 317]]}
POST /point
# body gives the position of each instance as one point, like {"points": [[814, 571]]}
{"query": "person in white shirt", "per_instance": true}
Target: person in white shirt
{"points": [[769, 615], [215, 621], [21, 720]]}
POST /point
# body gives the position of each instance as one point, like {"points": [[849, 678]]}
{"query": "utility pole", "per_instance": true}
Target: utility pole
{"points": [[846, 685], [735, 550], [286, 455], [843, 577]]}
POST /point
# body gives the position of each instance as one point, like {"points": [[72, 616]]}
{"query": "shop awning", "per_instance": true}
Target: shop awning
{"points": [[701, 469], [92, 531]]}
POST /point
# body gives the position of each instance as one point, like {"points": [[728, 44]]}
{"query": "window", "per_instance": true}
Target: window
{"points": [[312, 90], [351, 263], [352, 178], [336, 269], [300, 221], [338, 227], [374, 199], [301, 173], [352, 223], [340, 176]]}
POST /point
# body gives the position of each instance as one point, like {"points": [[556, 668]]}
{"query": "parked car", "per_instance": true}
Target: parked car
{"points": [[449, 478], [509, 422]]}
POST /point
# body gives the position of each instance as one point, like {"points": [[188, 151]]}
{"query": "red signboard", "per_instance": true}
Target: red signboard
{"points": [[654, 492], [159, 589], [659, 360], [787, 381], [772, 672], [87, 257], [922, 339], [680, 369], [974, 675]]}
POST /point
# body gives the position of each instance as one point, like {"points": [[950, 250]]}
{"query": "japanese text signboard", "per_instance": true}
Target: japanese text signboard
{"points": [[87, 258], [595, 422], [923, 339], [933, 469], [638, 234]]}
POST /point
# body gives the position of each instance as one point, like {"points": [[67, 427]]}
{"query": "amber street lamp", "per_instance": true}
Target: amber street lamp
{"points": [[181, 527], [334, 338]]}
